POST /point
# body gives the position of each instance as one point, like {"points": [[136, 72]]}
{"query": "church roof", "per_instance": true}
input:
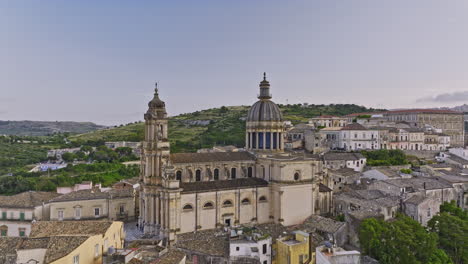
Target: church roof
{"points": [[207, 186], [264, 110], [210, 157]]}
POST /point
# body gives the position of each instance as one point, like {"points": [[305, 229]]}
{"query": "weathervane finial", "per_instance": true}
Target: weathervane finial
{"points": [[156, 87], [264, 76]]}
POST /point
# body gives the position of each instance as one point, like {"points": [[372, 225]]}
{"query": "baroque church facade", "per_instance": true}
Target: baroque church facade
{"points": [[186, 192]]}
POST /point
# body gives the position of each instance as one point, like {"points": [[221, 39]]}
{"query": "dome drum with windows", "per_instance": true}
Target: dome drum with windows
{"points": [[265, 126]]}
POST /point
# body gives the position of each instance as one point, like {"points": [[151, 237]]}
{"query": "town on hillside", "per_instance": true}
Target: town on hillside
{"points": [[374, 187]]}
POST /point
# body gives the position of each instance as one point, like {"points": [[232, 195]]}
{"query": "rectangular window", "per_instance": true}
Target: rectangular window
{"points": [[4, 232], [268, 140], [122, 209], [106, 244], [254, 140], [4, 215], [275, 140], [22, 232], [97, 212], [260, 140], [76, 259], [264, 249], [77, 212], [60, 215], [22, 216]]}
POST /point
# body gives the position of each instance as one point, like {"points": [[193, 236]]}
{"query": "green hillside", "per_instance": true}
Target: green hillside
{"points": [[44, 128], [217, 126]]}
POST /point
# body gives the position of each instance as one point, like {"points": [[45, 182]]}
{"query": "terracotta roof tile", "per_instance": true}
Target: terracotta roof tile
{"points": [[354, 126], [174, 256], [211, 242], [342, 156], [92, 194], [69, 228], [28, 199]]}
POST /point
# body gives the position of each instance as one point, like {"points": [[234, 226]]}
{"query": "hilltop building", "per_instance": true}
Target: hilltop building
{"points": [[188, 192], [448, 121]]}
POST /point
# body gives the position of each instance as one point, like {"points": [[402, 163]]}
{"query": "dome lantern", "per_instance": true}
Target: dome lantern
{"points": [[265, 128]]}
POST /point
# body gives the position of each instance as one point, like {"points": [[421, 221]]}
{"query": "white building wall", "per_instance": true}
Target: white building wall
{"points": [[460, 152], [243, 248], [359, 139], [24, 256], [14, 227]]}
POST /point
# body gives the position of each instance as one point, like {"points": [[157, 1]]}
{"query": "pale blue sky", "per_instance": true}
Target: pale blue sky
{"points": [[97, 60]]}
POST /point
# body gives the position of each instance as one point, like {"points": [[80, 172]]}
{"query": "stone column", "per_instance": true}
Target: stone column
{"points": [[148, 213], [251, 140], [164, 131], [277, 141], [163, 212], [280, 146], [271, 140], [264, 139], [158, 212], [257, 143]]}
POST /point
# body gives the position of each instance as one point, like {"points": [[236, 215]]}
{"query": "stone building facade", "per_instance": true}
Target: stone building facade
{"points": [[93, 204], [187, 192], [449, 122], [19, 210]]}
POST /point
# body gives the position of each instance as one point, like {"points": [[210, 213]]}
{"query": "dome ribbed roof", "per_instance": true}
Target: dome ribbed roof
{"points": [[156, 102], [264, 110]]}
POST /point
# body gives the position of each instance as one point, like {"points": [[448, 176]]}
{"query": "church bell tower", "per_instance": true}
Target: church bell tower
{"points": [[160, 192]]}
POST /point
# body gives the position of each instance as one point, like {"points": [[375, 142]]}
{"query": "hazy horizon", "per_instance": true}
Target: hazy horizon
{"points": [[98, 61]]}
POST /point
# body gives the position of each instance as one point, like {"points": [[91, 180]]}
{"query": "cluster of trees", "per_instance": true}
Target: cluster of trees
{"points": [[313, 110], [451, 227], [404, 240], [105, 173], [102, 153], [385, 157]]}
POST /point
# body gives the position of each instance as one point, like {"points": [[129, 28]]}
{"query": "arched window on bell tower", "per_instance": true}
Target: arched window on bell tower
{"points": [[198, 175]]}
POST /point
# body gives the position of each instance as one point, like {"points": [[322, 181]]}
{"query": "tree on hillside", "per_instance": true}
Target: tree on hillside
{"points": [[86, 149], [124, 151], [69, 156]]}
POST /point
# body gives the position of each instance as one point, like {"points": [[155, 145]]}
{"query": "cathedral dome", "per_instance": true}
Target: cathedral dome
{"points": [[264, 110]]}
